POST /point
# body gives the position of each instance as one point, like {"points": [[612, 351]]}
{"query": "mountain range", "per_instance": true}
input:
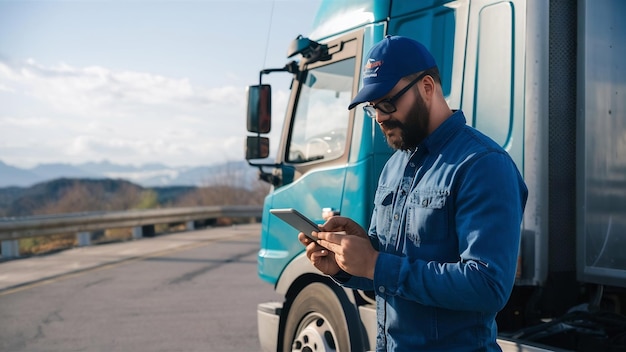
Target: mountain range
{"points": [[148, 175]]}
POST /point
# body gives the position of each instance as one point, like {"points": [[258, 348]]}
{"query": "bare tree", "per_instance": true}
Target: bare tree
{"points": [[228, 186]]}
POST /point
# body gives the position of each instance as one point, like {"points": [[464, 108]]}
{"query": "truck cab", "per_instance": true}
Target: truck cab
{"points": [[327, 156]]}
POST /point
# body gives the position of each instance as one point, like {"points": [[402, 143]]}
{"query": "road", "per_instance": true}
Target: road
{"points": [[195, 291]]}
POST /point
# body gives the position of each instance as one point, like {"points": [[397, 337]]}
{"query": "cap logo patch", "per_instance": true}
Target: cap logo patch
{"points": [[371, 68]]}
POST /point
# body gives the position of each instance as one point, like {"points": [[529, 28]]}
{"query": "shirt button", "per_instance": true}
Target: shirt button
{"points": [[396, 217], [381, 289]]}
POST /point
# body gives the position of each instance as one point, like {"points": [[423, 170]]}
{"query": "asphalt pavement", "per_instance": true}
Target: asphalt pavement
{"points": [[24, 272]]}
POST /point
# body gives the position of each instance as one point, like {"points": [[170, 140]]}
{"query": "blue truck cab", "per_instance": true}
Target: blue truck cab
{"points": [[500, 65]]}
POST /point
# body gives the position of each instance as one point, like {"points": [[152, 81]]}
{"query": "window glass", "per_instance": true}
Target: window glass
{"points": [[493, 101], [320, 124]]}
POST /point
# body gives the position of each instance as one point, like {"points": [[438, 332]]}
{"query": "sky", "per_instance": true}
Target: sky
{"points": [[140, 81]]}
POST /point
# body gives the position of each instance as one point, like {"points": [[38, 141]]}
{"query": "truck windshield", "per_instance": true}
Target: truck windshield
{"points": [[321, 120]]}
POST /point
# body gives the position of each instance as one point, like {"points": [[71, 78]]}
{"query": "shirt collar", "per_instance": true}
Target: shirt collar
{"points": [[436, 140]]}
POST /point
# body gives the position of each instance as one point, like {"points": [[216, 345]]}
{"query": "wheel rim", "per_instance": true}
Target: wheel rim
{"points": [[314, 334]]}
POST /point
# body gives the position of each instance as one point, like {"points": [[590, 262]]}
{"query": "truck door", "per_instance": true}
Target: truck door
{"points": [[314, 148], [493, 81]]}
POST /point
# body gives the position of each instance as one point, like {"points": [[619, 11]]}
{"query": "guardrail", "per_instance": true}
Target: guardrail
{"points": [[13, 229]]}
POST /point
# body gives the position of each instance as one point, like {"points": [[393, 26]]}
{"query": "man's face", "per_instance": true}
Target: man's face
{"points": [[407, 127]]}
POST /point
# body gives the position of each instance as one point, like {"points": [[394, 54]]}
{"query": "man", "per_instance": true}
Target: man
{"points": [[442, 246]]}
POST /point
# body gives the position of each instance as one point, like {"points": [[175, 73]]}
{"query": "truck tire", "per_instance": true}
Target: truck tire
{"points": [[317, 322]]}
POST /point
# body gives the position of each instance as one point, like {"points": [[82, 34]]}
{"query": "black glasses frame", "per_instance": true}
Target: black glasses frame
{"points": [[388, 106]]}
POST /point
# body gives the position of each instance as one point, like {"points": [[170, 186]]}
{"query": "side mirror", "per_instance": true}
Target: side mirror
{"points": [[257, 147], [259, 108]]}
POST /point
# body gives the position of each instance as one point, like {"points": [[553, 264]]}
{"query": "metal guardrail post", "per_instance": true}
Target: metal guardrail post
{"points": [[137, 232], [10, 249], [148, 231], [83, 238]]}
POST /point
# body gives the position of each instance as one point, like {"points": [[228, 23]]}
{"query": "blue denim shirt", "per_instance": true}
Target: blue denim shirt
{"points": [[446, 222]]}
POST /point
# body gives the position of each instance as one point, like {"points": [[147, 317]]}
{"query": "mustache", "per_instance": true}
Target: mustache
{"points": [[389, 124]]}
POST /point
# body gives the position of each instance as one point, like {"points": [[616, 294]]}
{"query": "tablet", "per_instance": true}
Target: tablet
{"points": [[297, 221]]}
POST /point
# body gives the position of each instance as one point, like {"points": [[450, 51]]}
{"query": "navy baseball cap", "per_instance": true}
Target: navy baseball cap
{"points": [[387, 62]]}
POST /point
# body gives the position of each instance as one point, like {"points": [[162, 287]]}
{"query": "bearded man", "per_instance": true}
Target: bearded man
{"points": [[441, 249]]}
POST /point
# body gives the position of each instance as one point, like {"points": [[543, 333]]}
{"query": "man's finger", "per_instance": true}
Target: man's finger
{"points": [[336, 223], [334, 236], [333, 247], [340, 223]]}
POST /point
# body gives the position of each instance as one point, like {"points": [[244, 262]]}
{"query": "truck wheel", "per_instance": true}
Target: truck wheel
{"points": [[316, 322]]}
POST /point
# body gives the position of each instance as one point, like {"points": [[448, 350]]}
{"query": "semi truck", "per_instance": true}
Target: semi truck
{"points": [[544, 78]]}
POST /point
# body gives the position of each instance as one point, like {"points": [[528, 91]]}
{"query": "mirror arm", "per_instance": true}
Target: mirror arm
{"points": [[291, 67], [266, 176], [264, 165]]}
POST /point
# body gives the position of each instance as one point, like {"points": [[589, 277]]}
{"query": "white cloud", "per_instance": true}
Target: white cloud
{"points": [[11, 121], [94, 113], [81, 90], [4, 88]]}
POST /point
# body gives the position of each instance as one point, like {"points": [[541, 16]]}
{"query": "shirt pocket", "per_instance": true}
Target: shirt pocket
{"points": [[427, 216], [383, 201]]}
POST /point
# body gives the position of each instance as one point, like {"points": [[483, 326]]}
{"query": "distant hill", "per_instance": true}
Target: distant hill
{"points": [[59, 170], [13, 176], [67, 195], [148, 175]]}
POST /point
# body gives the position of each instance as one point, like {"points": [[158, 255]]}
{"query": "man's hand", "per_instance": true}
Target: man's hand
{"points": [[342, 245], [352, 251], [321, 258]]}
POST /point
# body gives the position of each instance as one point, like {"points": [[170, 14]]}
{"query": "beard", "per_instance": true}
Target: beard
{"points": [[413, 131]]}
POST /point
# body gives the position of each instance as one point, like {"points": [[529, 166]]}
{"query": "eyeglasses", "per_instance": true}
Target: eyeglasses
{"points": [[388, 105]]}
